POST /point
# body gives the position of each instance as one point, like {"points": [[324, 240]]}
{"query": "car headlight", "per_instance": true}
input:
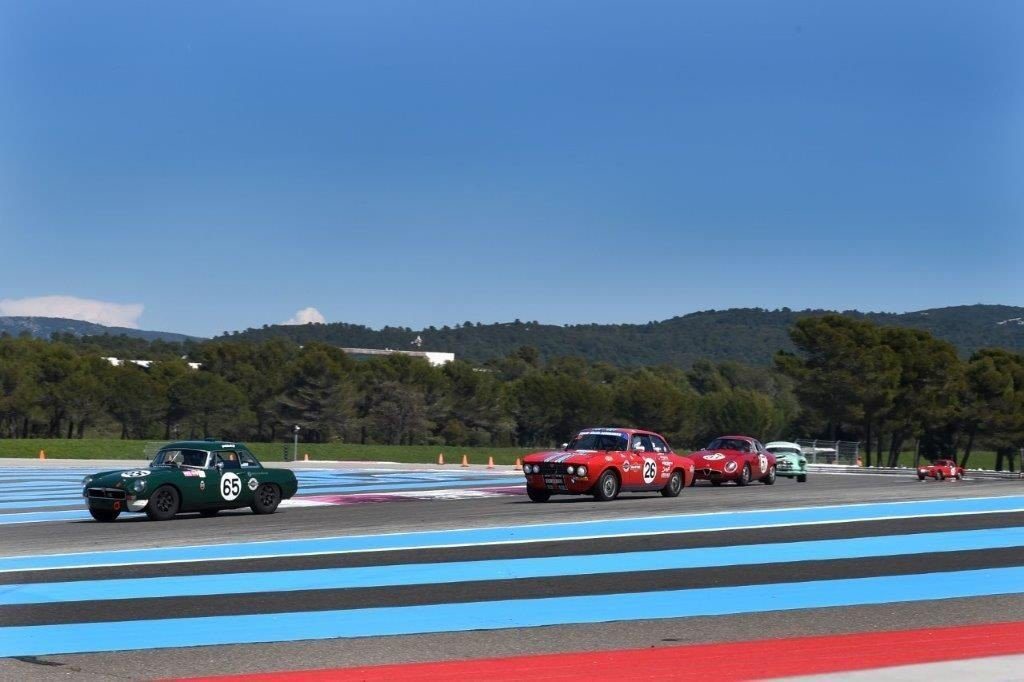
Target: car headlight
{"points": [[570, 470], [86, 481], [139, 485], [581, 470], [526, 468], [536, 468]]}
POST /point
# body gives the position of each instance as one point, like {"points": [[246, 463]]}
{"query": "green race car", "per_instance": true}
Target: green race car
{"points": [[790, 460], [190, 476]]}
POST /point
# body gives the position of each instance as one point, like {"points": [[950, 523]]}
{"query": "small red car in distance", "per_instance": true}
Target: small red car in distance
{"points": [[605, 461], [734, 458], [940, 469]]}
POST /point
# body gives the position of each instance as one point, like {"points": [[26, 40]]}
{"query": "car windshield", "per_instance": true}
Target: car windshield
{"points": [[784, 451], [188, 458], [611, 440], [729, 444]]}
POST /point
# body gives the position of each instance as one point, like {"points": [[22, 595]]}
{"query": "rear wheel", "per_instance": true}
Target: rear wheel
{"points": [[163, 503], [607, 487], [674, 485], [744, 478], [268, 496], [802, 478], [770, 478], [104, 515], [538, 495], [939, 475]]}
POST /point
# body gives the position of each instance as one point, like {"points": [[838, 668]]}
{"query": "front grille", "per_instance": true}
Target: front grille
{"points": [[107, 493], [553, 468]]}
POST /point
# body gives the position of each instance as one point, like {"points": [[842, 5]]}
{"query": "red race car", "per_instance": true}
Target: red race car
{"points": [[940, 469], [604, 461], [734, 458]]}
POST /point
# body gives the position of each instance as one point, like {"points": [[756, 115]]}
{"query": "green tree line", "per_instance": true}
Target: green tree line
{"points": [[848, 379]]}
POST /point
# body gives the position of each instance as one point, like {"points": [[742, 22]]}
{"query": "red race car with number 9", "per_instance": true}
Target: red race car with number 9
{"points": [[940, 469], [604, 461], [734, 458]]}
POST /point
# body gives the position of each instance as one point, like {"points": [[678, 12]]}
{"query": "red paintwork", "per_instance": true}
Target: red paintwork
{"points": [[818, 655], [630, 465], [718, 464], [940, 469]]}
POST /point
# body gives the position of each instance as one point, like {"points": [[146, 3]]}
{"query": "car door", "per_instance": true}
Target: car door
{"points": [[232, 481], [643, 462]]}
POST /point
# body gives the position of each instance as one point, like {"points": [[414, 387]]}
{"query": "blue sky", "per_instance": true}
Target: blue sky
{"points": [[225, 164]]}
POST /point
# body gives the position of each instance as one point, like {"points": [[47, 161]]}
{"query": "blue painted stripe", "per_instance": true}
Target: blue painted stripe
{"points": [[36, 517], [508, 569], [651, 525], [37, 640]]}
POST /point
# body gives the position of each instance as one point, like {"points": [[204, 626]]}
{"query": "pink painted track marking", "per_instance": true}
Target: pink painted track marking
{"points": [[759, 659]]}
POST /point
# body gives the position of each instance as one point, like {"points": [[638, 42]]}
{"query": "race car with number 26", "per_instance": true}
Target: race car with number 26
{"points": [[741, 459], [190, 476], [606, 461]]}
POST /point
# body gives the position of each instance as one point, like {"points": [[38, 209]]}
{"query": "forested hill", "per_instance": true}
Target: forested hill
{"points": [[46, 327], [747, 335]]}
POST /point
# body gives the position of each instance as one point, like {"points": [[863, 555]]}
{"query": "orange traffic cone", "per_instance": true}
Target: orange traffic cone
{"points": [[519, 462], [490, 462], [42, 454], [440, 458], [465, 461], [305, 456]]}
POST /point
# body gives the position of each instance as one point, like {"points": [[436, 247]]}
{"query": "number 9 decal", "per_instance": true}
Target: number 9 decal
{"points": [[230, 486], [650, 470]]}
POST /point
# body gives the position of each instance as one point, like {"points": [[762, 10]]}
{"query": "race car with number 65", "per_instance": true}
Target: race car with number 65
{"points": [[741, 459], [190, 476], [605, 461]]}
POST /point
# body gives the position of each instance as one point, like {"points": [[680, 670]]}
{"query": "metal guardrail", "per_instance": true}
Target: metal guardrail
{"points": [[906, 471]]}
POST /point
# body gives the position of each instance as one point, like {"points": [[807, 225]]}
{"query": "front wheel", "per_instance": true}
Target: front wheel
{"points": [[163, 503], [538, 495], [770, 478], [744, 478], [607, 486], [104, 515], [920, 477], [674, 485], [268, 496], [802, 478], [959, 475], [939, 476]]}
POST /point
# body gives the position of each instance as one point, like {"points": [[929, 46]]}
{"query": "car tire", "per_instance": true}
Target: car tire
{"points": [[920, 477], [770, 478], [744, 477], [939, 476], [674, 485], [716, 483], [959, 475], [163, 504], [207, 513], [537, 494], [104, 515], [801, 478], [266, 499], [607, 487]]}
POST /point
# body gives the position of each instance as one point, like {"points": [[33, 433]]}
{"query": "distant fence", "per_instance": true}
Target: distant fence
{"points": [[830, 451]]}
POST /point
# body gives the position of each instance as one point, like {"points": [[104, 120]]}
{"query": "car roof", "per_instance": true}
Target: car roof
{"points": [[747, 438], [621, 429], [202, 445], [782, 444]]}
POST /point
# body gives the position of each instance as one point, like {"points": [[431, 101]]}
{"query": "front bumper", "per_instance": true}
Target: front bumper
{"points": [[113, 499], [710, 474], [560, 483]]}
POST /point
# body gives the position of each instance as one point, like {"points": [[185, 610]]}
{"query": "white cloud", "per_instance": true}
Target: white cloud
{"points": [[72, 307], [306, 316]]}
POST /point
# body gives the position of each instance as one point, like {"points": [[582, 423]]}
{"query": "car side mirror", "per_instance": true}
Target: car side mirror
{"points": [[565, 445], [220, 466]]}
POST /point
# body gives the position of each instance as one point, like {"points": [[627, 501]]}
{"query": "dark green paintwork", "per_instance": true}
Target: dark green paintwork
{"points": [[231, 486]]}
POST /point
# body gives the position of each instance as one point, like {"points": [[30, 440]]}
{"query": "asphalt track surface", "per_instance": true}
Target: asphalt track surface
{"points": [[407, 580]]}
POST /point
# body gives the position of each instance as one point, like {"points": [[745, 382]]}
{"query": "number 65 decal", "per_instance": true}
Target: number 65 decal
{"points": [[230, 486]]}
